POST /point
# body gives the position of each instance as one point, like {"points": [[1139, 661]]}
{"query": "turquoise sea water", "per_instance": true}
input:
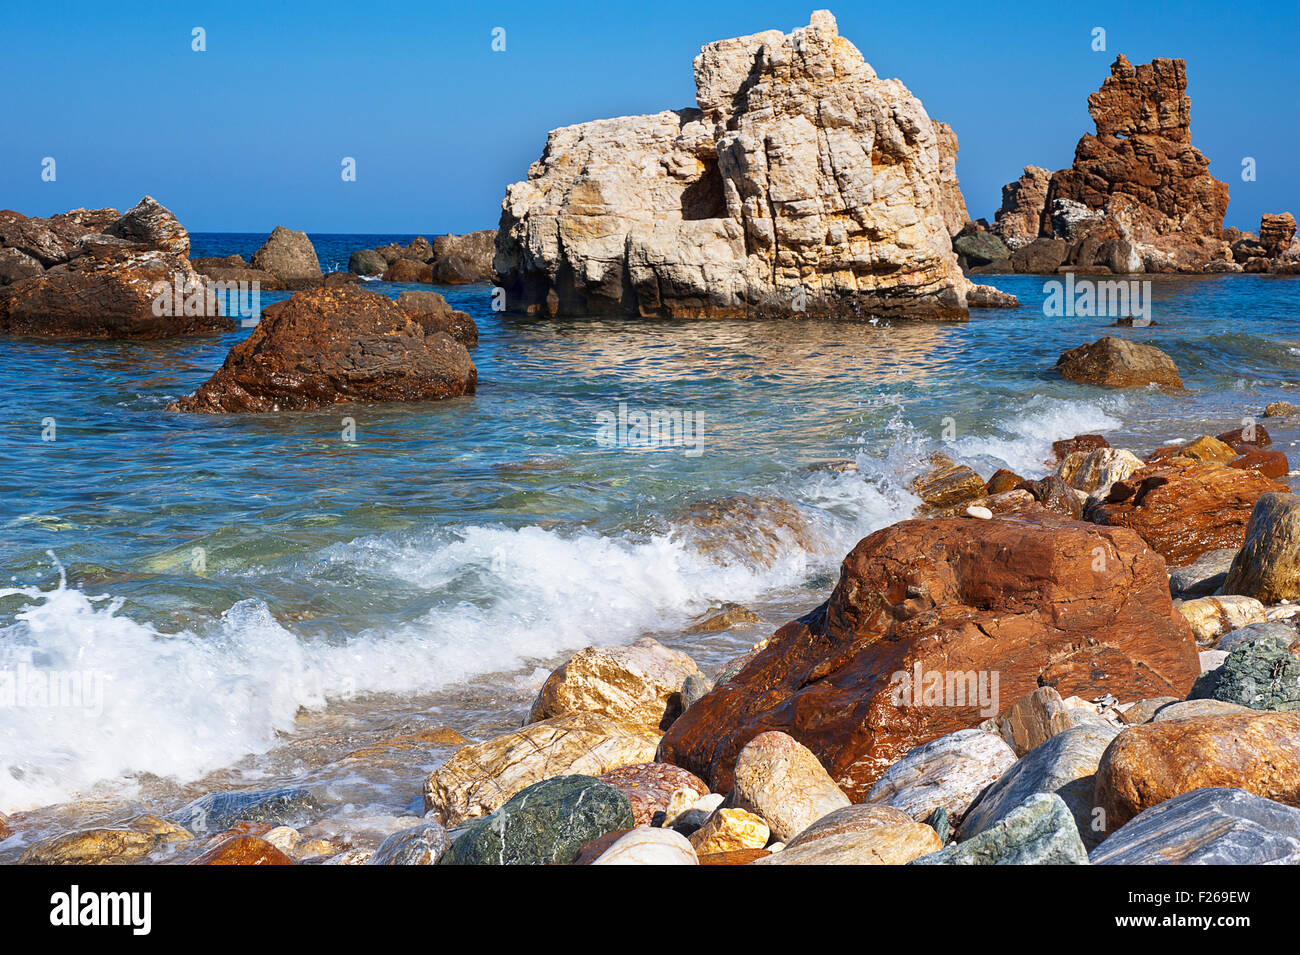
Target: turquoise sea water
{"points": [[227, 575]]}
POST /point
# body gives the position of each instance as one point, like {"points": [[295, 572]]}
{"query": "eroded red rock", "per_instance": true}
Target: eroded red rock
{"points": [[1037, 599], [1183, 508]]}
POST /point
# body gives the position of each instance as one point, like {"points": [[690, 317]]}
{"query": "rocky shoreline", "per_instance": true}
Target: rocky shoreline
{"points": [[1120, 636]]}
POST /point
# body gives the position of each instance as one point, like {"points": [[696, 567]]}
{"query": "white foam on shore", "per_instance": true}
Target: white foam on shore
{"points": [[1024, 442]]}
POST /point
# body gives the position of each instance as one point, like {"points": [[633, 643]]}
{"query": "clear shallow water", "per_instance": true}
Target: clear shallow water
{"points": [[260, 596]]}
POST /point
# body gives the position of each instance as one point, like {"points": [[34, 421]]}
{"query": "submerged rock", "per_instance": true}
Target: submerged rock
{"points": [[217, 812], [1039, 831], [803, 185], [419, 845], [332, 345], [545, 824], [1212, 826], [243, 850], [104, 846]]}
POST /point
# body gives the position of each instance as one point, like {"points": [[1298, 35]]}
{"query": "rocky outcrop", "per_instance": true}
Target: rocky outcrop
{"points": [[1276, 233], [110, 291], [290, 257], [951, 200], [95, 273], [1138, 196], [460, 259], [802, 185], [331, 345], [1143, 150], [151, 224], [1038, 600], [1020, 216], [434, 315]]}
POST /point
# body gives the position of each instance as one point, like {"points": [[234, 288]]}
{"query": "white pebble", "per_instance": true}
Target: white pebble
{"points": [[983, 513]]}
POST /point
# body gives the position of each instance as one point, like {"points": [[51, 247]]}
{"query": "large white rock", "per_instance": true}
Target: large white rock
{"points": [[803, 184]]}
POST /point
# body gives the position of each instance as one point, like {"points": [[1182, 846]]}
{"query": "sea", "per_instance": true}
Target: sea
{"points": [[199, 602]]}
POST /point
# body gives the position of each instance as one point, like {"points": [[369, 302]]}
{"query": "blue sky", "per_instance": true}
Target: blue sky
{"points": [[252, 132]]}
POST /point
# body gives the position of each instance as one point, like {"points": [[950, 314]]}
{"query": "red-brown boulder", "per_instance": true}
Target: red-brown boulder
{"points": [[335, 344], [1031, 600], [1183, 508], [113, 292], [1271, 464]]}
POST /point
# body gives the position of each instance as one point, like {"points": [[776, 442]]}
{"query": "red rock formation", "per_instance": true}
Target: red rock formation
{"points": [[335, 344], [1143, 149], [1276, 233], [1183, 508], [1035, 599]]}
